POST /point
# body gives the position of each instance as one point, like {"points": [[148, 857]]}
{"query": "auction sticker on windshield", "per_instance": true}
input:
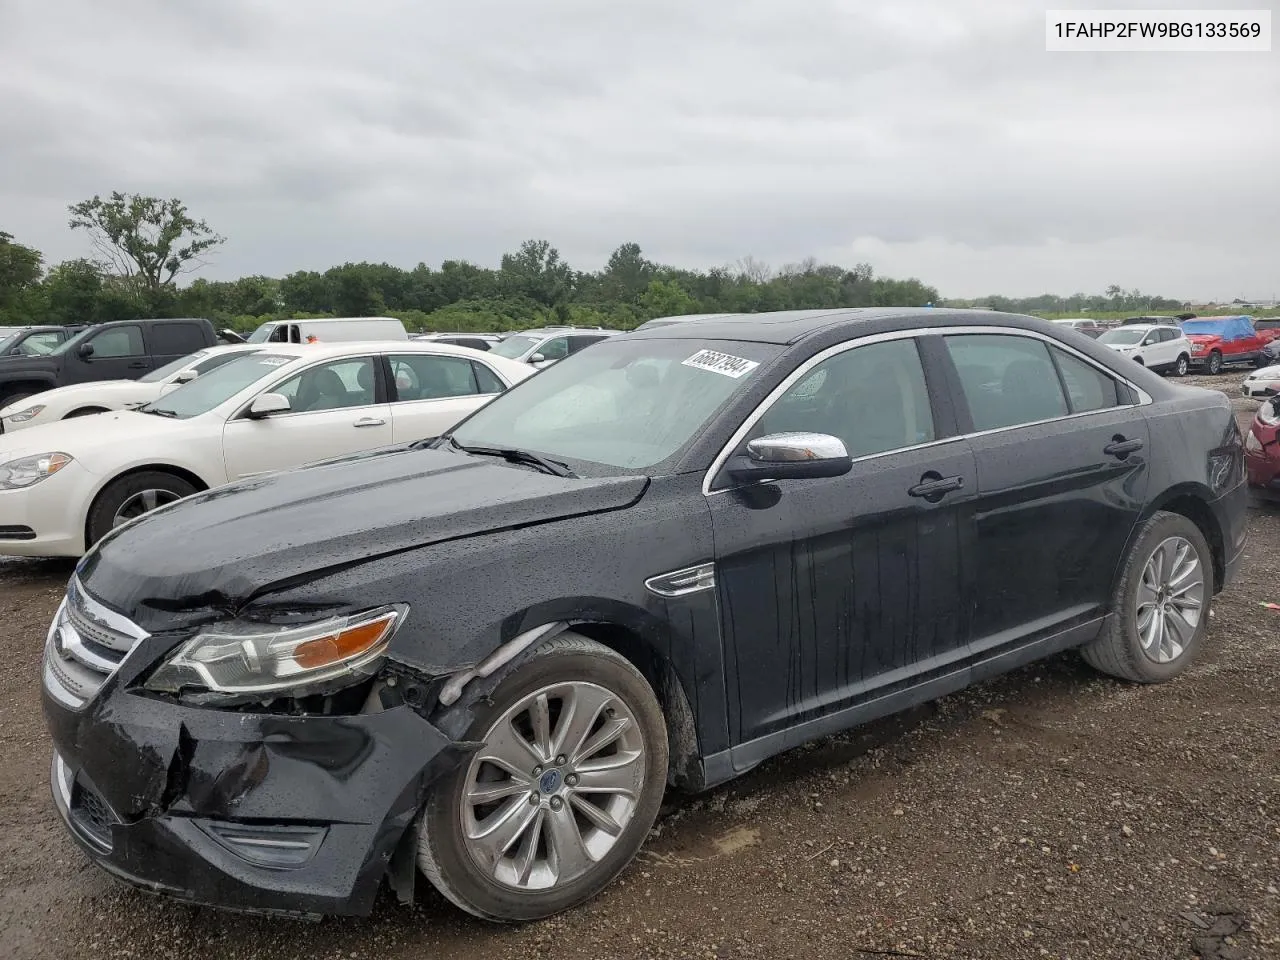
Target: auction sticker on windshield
{"points": [[724, 363]]}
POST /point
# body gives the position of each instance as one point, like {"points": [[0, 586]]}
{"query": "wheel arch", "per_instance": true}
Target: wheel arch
{"points": [[84, 411], [1191, 501], [182, 472]]}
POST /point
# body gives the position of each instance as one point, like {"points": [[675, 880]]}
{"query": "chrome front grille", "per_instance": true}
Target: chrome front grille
{"points": [[86, 645]]}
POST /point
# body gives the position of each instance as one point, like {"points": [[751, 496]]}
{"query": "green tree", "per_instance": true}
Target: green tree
{"points": [[536, 271], [627, 274], [74, 289], [20, 270], [144, 239], [666, 298]]}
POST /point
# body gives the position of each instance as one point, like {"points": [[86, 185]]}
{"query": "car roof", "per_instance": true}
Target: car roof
{"points": [[564, 331], [357, 347], [790, 326]]}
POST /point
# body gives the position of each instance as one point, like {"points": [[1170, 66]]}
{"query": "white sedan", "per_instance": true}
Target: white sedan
{"points": [[99, 396], [64, 486], [1262, 383]]}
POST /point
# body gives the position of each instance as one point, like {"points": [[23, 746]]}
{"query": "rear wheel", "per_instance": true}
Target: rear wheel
{"points": [[131, 496], [1160, 608], [1214, 365], [563, 792], [1182, 365], [15, 397]]}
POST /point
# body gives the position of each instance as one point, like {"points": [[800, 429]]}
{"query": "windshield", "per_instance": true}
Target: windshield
{"points": [[624, 403], [1128, 335], [169, 369], [217, 386], [514, 347], [260, 335]]}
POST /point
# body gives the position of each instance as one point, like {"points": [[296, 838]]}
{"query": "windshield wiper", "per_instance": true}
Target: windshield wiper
{"points": [[173, 414], [512, 455]]}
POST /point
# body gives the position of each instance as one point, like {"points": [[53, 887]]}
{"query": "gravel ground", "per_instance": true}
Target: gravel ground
{"points": [[1049, 813]]}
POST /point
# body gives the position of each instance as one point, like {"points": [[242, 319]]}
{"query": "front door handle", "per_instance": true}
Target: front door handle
{"points": [[1120, 448], [933, 486], [369, 422], [138, 365]]}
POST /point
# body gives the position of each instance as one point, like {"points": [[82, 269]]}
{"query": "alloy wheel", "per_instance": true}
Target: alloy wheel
{"points": [[1170, 600], [554, 786], [144, 501]]}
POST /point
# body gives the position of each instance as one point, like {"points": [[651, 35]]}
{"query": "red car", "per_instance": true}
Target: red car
{"points": [[1217, 341], [1262, 451]]}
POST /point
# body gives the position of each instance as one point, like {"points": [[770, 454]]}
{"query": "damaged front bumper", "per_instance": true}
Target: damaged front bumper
{"points": [[300, 815]]}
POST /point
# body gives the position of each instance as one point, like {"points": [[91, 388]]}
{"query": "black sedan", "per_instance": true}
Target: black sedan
{"points": [[483, 657]]}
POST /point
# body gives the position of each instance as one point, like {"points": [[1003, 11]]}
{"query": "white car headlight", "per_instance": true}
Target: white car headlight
{"points": [[22, 416], [238, 659], [16, 474]]}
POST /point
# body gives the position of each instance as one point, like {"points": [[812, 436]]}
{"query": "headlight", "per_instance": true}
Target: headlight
{"points": [[1269, 413], [22, 416], [254, 658], [29, 470]]}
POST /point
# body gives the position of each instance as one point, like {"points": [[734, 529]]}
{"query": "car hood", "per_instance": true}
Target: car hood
{"points": [[215, 551], [1266, 373], [100, 391], [90, 440], [39, 365]]}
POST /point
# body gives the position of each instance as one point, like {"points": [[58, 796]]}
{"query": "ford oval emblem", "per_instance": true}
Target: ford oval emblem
{"points": [[549, 782]]}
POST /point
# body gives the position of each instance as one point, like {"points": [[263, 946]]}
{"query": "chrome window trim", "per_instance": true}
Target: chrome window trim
{"points": [[1144, 398]]}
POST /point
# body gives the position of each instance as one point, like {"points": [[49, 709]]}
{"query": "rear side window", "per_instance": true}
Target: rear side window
{"points": [[176, 338], [118, 342], [424, 376], [486, 380], [1088, 388], [577, 343], [1006, 380]]}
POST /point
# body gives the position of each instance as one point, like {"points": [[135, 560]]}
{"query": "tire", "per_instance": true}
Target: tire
{"points": [[84, 412], [1121, 649], [1214, 366], [569, 667], [129, 491], [1181, 365], [15, 397]]}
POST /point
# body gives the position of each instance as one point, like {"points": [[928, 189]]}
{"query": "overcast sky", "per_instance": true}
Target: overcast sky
{"points": [[930, 139]]}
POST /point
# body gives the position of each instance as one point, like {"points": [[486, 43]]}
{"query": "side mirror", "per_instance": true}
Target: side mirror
{"points": [[85, 350], [538, 358], [266, 405], [186, 376], [792, 456]]}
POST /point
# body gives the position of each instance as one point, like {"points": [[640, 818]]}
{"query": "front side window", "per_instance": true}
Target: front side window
{"points": [[556, 348], [873, 398], [424, 376], [118, 342], [623, 404], [330, 386], [1006, 380]]}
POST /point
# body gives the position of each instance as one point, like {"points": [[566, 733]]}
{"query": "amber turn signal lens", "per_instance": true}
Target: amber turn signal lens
{"points": [[346, 645]]}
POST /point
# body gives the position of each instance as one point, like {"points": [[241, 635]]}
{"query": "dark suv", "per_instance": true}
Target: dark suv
{"points": [[121, 350], [483, 657]]}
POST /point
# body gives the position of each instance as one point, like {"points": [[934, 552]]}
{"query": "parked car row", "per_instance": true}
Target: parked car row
{"points": [[481, 658]]}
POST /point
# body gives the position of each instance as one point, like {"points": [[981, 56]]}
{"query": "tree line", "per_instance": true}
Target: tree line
{"points": [[144, 245]]}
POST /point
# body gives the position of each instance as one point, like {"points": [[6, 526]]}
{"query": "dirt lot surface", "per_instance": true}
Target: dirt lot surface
{"points": [[1050, 813]]}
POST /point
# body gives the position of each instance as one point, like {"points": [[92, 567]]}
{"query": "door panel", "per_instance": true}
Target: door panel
{"points": [[1054, 509], [334, 412], [832, 589], [119, 353]]}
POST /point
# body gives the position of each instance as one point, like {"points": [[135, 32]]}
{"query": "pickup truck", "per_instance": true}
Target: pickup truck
{"points": [[121, 350], [1218, 341]]}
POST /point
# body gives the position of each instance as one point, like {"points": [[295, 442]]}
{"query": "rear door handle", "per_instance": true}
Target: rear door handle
{"points": [[369, 422], [1121, 448], [933, 486]]}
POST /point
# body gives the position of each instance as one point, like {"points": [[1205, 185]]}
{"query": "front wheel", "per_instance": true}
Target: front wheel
{"points": [[563, 791], [131, 496], [1215, 363], [1182, 365], [1160, 608]]}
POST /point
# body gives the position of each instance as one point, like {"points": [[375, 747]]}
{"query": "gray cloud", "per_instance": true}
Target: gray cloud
{"points": [[935, 139]]}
